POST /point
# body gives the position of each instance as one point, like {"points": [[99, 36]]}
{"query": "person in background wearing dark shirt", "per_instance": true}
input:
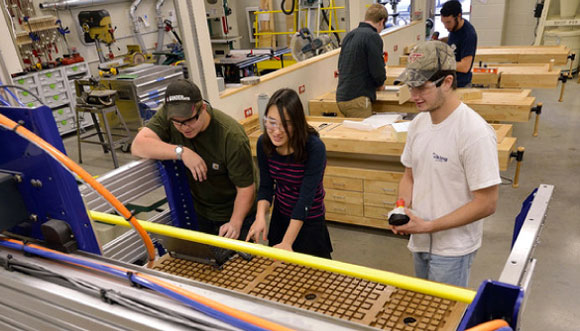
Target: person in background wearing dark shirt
{"points": [[292, 159], [462, 39], [361, 65]]}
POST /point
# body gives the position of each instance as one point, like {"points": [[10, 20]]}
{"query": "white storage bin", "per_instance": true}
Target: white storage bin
{"points": [[75, 69], [47, 76], [25, 97], [56, 100], [50, 89]]}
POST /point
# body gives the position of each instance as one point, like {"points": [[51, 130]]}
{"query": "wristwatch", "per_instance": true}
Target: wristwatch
{"points": [[179, 151]]}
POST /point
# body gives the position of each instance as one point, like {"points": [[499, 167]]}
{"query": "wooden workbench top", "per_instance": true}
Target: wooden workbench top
{"points": [[514, 54], [383, 141], [522, 54], [508, 75], [508, 105]]}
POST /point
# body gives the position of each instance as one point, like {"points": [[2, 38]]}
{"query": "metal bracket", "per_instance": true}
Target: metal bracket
{"points": [[537, 109], [518, 155], [563, 78], [520, 256]]}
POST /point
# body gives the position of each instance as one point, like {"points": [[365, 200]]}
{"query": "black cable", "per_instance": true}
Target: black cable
{"points": [[25, 90], [506, 180], [291, 9], [430, 252]]}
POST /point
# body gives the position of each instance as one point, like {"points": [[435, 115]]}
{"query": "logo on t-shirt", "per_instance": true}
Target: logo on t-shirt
{"points": [[215, 166], [454, 48], [439, 158]]}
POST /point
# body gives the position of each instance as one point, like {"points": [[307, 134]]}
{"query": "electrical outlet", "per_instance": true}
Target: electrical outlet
{"points": [[395, 48], [248, 112], [301, 89]]}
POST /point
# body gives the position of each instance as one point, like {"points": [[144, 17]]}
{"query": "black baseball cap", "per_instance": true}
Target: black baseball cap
{"points": [[180, 97]]}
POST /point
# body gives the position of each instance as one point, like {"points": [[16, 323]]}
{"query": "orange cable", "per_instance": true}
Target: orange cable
{"points": [[241, 315], [489, 325], [70, 164]]}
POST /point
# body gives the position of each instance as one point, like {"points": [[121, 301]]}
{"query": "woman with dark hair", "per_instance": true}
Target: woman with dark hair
{"points": [[292, 159]]}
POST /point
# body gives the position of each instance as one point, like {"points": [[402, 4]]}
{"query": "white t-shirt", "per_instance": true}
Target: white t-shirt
{"points": [[450, 160]]}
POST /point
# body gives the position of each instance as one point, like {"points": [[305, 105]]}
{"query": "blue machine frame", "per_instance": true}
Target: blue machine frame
{"points": [[49, 191], [179, 198], [504, 299]]}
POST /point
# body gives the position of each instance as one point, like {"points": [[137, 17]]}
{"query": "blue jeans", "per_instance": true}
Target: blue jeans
{"points": [[453, 270]]}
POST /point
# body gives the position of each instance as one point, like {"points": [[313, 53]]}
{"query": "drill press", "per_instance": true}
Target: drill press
{"points": [[97, 28]]}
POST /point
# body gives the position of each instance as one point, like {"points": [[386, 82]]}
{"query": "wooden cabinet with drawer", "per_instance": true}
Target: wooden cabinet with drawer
{"points": [[360, 195], [343, 202]]}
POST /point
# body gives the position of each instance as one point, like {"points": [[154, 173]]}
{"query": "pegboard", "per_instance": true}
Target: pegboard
{"points": [[332, 294]]}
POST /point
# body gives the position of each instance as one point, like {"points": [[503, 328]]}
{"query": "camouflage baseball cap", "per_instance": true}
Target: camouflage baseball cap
{"points": [[426, 59]]}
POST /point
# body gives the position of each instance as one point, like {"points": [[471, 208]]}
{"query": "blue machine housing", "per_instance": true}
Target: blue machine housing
{"points": [[48, 189], [494, 300]]}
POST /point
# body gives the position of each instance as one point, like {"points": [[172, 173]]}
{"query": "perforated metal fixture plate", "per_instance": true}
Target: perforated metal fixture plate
{"points": [[332, 294]]}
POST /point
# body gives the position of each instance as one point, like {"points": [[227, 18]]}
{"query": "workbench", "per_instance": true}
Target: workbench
{"points": [[502, 105], [363, 167], [529, 75], [507, 76], [523, 54], [515, 54]]}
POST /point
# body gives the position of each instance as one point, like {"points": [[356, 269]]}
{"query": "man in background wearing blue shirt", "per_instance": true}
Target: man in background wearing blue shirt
{"points": [[462, 39]]}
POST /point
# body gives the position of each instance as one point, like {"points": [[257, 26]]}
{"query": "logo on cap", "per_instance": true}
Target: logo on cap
{"points": [[178, 97], [414, 57]]}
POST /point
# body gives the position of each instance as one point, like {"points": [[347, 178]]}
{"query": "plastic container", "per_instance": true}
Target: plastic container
{"points": [[568, 8], [566, 37]]}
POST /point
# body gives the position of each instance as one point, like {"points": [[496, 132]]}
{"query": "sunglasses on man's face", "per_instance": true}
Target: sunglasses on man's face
{"points": [[188, 121]]}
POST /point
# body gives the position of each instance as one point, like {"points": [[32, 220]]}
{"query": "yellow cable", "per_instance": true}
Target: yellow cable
{"points": [[389, 278]]}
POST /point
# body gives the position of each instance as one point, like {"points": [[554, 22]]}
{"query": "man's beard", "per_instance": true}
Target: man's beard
{"points": [[456, 25], [438, 102]]}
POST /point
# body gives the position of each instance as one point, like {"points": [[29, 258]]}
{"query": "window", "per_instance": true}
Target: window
{"points": [[465, 6], [401, 9]]}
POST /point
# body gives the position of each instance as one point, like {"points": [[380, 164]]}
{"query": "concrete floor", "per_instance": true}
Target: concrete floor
{"points": [[551, 158]]}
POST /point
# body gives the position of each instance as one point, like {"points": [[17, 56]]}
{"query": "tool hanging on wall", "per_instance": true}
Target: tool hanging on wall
{"points": [[63, 32], [35, 39], [72, 55]]}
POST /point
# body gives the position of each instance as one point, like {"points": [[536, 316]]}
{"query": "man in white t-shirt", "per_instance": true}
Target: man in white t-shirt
{"points": [[451, 169]]}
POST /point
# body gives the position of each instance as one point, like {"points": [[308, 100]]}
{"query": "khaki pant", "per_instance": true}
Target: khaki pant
{"points": [[360, 107]]}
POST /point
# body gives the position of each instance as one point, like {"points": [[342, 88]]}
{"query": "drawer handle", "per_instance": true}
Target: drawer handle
{"points": [[386, 189], [339, 209], [339, 197], [386, 202], [340, 184]]}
